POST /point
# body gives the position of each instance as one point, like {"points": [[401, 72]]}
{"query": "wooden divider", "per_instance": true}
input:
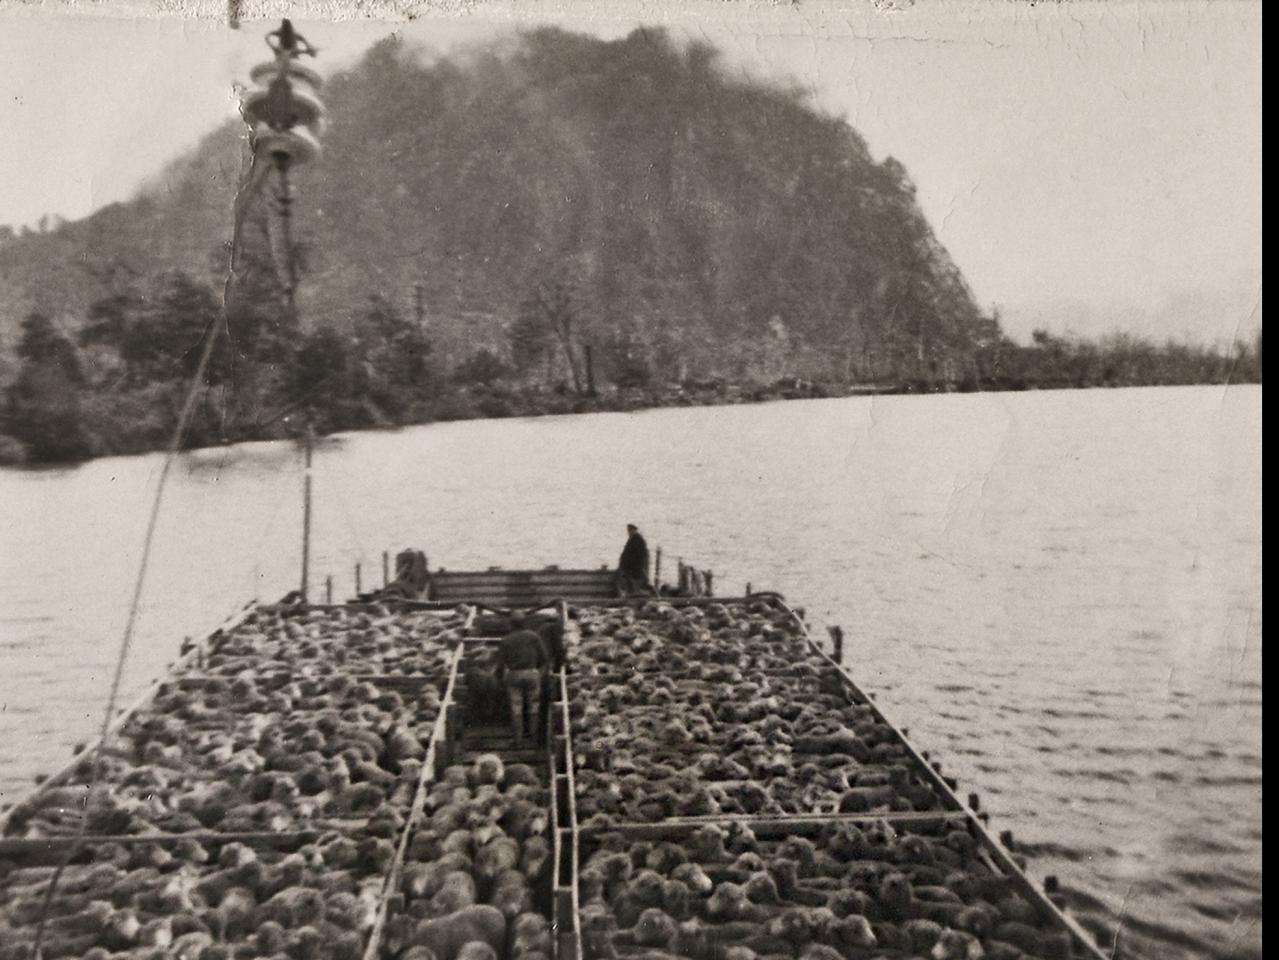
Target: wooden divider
{"points": [[772, 826], [562, 814], [685, 675], [399, 603], [821, 819], [28, 848], [561, 904], [404, 681], [566, 920], [521, 588]]}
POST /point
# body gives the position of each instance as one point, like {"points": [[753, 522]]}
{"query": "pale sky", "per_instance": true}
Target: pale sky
{"points": [[1088, 165]]}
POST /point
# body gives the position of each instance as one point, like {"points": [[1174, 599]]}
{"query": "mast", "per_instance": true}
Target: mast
{"points": [[286, 116]]}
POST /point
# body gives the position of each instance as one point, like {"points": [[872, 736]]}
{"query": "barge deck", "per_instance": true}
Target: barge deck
{"points": [[323, 781]]}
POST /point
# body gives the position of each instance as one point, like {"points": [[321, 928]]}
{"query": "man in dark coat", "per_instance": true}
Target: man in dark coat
{"points": [[632, 567]]}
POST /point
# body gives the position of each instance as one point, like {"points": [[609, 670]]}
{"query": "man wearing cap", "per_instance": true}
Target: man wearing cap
{"points": [[632, 567]]}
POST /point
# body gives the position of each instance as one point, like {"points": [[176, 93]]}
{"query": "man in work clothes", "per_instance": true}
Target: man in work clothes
{"points": [[632, 567], [525, 657]]}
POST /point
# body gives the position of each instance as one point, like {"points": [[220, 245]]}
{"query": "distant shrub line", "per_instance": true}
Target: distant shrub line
{"points": [[116, 385]]}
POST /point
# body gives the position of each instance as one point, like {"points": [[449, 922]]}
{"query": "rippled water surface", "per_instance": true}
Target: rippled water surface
{"points": [[1058, 593]]}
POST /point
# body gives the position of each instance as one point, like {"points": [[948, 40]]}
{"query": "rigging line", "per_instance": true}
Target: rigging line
{"points": [[267, 528], [175, 447], [337, 488]]}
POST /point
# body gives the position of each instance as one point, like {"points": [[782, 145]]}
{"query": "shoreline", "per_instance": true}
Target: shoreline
{"points": [[492, 403]]}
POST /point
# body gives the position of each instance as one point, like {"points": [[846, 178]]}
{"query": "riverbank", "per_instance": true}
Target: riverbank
{"points": [[501, 401]]}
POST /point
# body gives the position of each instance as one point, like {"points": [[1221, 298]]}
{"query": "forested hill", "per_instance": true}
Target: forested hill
{"points": [[698, 217], [553, 216]]}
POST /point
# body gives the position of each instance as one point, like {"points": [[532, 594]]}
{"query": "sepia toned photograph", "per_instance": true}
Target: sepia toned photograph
{"points": [[630, 481]]}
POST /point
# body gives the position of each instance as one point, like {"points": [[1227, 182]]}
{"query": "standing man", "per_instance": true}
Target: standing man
{"points": [[524, 660], [632, 567]]}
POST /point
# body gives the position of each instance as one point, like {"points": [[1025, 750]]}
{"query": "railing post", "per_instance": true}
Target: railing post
{"points": [[328, 589], [386, 568], [358, 589], [657, 570], [306, 514]]}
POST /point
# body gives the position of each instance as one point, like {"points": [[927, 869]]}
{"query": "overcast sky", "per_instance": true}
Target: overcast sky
{"points": [[1088, 165]]}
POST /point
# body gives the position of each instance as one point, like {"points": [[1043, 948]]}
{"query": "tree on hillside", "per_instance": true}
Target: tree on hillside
{"points": [[319, 384], [626, 360], [110, 317], [551, 304], [43, 404], [530, 340], [164, 339], [43, 344], [483, 367], [394, 369]]}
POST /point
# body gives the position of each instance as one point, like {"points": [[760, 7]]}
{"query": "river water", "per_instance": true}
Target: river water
{"points": [[1059, 593]]}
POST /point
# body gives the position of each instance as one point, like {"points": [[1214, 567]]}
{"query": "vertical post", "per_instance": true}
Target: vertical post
{"points": [[710, 583], [358, 588], [748, 588], [290, 262], [837, 643], [452, 730], [657, 570], [328, 589], [306, 520], [386, 568]]}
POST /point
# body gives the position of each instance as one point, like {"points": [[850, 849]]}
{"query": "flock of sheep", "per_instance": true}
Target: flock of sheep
{"points": [[255, 805], [303, 736], [777, 790]]}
